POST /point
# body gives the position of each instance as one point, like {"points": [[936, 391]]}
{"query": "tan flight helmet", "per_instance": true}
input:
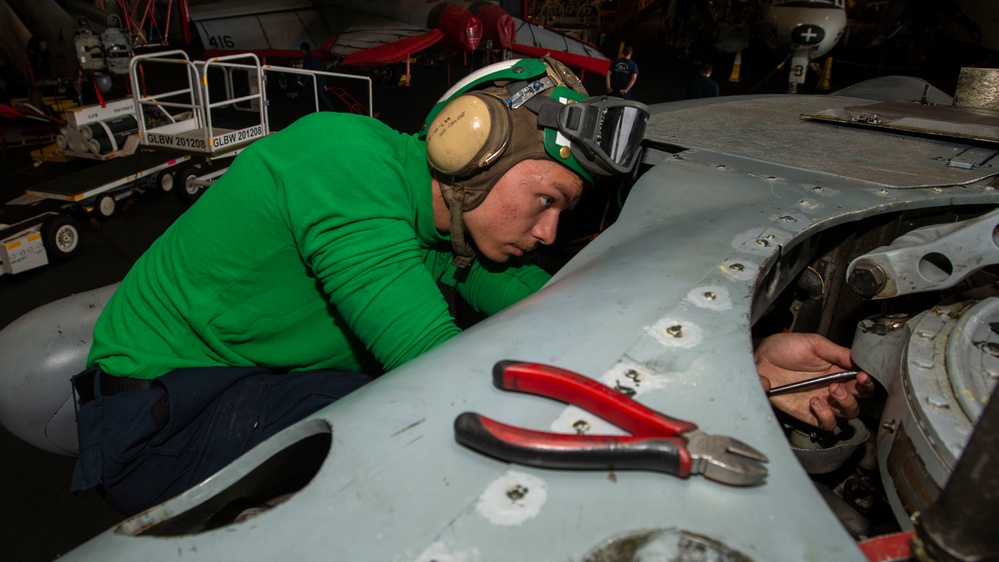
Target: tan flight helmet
{"points": [[501, 115]]}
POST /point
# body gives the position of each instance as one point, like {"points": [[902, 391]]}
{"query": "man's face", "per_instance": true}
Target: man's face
{"points": [[522, 209]]}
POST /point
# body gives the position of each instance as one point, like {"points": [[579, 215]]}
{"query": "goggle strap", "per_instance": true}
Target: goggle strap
{"points": [[546, 109]]}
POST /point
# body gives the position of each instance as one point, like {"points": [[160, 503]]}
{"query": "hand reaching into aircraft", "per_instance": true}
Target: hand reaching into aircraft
{"points": [[787, 358]]}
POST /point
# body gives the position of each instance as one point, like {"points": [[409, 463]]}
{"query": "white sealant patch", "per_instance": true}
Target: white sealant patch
{"points": [[711, 297], [626, 377], [670, 332], [809, 205], [512, 499], [438, 552]]}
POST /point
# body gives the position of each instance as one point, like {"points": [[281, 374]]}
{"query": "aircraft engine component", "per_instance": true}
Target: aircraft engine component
{"points": [[946, 363], [41, 351], [933, 257], [117, 46], [822, 454], [89, 50], [960, 525]]}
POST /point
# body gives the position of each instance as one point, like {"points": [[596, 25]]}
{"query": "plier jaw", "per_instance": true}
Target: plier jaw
{"points": [[657, 441], [726, 459]]}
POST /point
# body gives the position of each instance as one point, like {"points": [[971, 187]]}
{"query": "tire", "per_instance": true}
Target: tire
{"points": [[106, 206], [61, 237], [165, 180], [184, 190]]}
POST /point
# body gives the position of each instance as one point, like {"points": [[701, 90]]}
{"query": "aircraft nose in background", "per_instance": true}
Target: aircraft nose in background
{"points": [[808, 35]]}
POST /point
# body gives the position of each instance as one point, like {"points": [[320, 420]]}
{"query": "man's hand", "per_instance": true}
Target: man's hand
{"points": [[786, 358]]}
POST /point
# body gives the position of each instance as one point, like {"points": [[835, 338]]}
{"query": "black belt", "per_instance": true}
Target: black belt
{"points": [[110, 385]]}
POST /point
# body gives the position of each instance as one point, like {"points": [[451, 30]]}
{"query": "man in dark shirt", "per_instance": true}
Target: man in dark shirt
{"points": [[622, 74], [311, 62], [703, 86]]}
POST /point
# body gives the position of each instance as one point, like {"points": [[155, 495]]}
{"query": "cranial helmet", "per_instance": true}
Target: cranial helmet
{"points": [[524, 109]]}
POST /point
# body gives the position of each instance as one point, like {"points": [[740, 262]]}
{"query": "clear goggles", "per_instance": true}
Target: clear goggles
{"points": [[605, 133]]}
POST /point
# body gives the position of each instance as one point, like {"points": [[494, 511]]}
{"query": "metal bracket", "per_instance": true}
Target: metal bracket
{"points": [[930, 258]]}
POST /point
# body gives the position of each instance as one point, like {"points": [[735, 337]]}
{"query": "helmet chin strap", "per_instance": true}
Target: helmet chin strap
{"points": [[454, 196]]}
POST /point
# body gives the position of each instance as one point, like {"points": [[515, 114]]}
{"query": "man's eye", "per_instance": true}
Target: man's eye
{"points": [[546, 201]]}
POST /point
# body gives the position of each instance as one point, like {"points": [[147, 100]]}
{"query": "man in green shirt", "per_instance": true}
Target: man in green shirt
{"points": [[314, 263], [315, 260]]}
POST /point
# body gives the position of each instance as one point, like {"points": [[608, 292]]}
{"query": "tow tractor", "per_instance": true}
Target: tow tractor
{"points": [[30, 236], [164, 136]]}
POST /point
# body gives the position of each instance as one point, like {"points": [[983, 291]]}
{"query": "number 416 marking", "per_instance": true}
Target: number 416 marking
{"points": [[221, 42]]}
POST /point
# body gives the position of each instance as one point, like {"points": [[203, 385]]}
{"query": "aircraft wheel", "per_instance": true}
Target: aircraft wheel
{"points": [[187, 191], [165, 179], [106, 205], [61, 237]]}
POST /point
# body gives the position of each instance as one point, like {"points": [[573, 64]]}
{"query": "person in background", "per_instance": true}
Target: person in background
{"points": [[311, 62], [622, 74], [703, 86]]}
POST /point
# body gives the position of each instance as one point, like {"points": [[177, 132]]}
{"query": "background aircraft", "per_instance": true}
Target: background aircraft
{"points": [[44, 41], [799, 30], [383, 32]]}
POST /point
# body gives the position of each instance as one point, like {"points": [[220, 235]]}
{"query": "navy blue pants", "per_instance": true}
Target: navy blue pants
{"points": [[144, 447]]}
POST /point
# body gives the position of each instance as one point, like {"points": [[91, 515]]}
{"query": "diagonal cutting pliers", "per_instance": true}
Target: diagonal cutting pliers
{"points": [[657, 441]]}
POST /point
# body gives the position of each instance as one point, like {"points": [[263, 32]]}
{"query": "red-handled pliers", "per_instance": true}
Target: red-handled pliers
{"points": [[657, 442]]}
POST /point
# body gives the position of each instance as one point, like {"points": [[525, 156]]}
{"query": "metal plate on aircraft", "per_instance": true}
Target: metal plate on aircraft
{"points": [[760, 129], [961, 123]]}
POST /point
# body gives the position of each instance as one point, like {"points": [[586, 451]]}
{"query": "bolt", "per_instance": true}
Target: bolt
{"points": [[867, 279], [710, 295], [516, 493], [581, 426], [625, 390], [676, 330], [882, 325], [890, 426], [736, 267], [633, 375], [763, 243]]}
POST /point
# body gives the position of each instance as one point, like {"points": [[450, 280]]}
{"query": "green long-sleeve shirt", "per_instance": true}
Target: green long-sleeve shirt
{"points": [[316, 250]]}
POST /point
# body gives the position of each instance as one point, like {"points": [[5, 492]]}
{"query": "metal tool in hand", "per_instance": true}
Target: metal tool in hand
{"points": [[817, 381], [657, 441]]}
